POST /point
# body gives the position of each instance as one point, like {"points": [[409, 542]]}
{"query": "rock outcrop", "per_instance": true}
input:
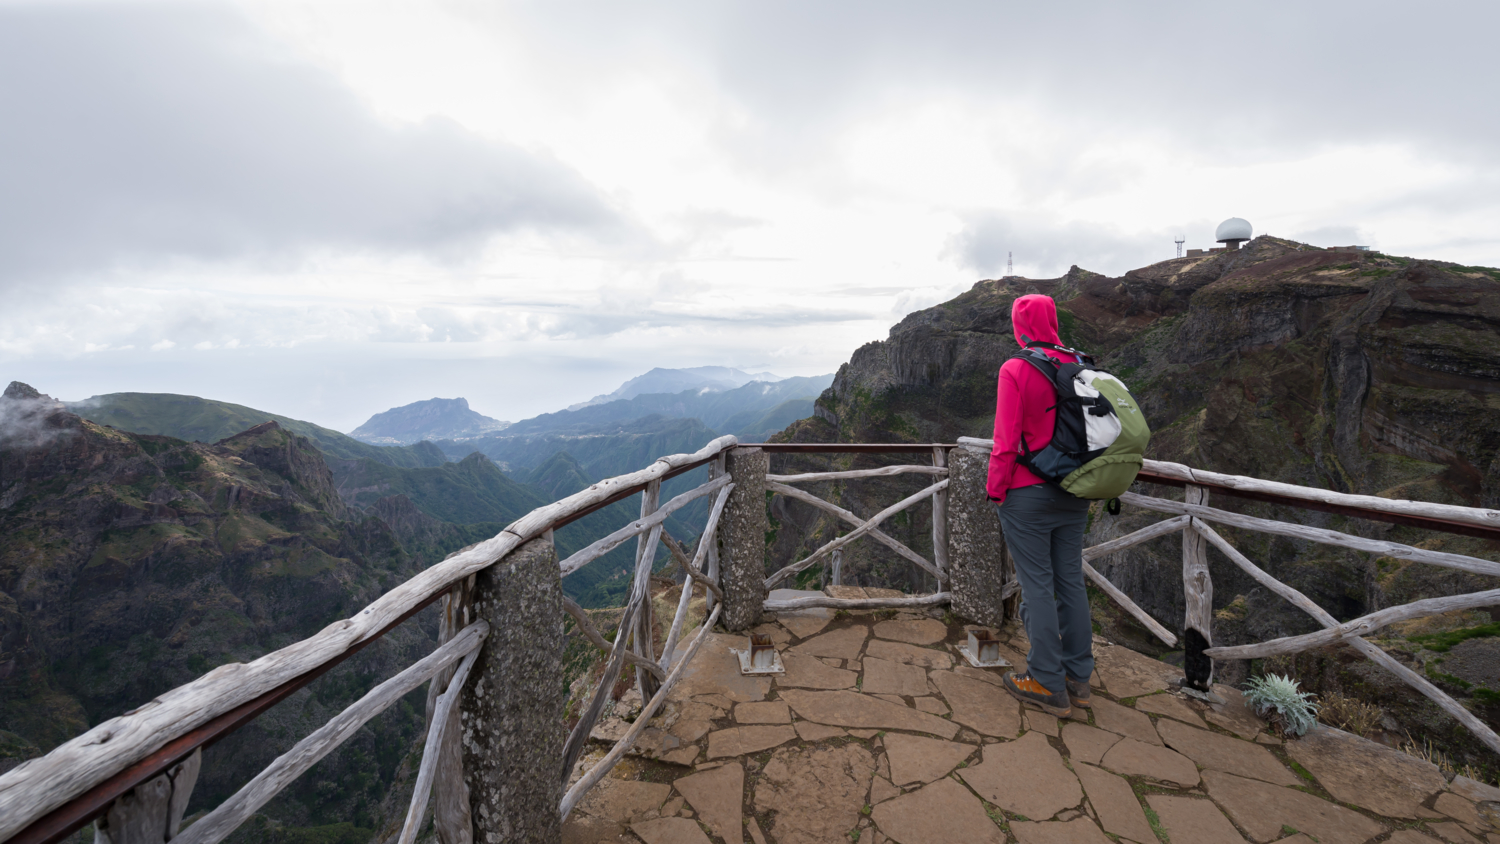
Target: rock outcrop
{"points": [[1362, 373]]}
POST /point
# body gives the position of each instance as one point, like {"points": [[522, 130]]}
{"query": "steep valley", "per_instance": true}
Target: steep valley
{"points": [[134, 563]]}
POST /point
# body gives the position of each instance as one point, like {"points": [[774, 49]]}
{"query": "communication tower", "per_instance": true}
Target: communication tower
{"points": [[1179, 240], [1010, 267]]}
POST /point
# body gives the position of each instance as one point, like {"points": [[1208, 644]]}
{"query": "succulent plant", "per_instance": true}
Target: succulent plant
{"points": [[1276, 697]]}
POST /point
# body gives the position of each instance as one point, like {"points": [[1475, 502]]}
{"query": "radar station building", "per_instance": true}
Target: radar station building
{"points": [[1232, 232]]}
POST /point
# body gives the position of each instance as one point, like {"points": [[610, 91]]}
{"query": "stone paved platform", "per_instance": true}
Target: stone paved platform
{"points": [[878, 732]]}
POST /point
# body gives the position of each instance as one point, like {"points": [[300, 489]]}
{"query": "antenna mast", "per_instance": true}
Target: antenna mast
{"points": [[1010, 266], [1179, 241]]}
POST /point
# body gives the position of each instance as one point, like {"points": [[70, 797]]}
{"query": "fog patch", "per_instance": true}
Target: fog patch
{"points": [[26, 418]]}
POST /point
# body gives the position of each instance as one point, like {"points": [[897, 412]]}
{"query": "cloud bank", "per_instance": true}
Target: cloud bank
{"points": [[138, 133]]}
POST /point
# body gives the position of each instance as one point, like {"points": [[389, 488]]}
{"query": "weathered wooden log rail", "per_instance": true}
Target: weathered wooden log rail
{"points": [[500, 631], [1193, 515], [106, 772]]}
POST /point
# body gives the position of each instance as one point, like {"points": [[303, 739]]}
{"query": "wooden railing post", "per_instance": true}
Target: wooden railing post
{"points": [[643, 642], [716, 469], [978, 567], [742, 539], [1198, 596], [514, 700], [152, 811], [450, 797], [940, 518]]}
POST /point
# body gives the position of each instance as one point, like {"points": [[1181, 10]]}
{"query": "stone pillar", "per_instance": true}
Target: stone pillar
{"points": [[513, 702], [742, 540], [977, 559]]}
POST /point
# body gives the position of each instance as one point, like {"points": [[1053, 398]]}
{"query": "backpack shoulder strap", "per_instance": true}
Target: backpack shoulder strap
{"points": [[1049, 366], [1083, 356]]}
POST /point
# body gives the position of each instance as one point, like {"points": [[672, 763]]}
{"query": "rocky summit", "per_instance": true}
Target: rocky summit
{"points": [[1357, 372]]}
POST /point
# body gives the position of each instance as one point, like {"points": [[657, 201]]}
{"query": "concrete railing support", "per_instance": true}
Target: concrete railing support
{"points": [[742, 539], [514, 700], [978, 562]]}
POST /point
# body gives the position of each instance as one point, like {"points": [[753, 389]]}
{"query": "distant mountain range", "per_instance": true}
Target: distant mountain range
{"points": [[741, 410], [195, 419], [676, 380], [426, 420]]}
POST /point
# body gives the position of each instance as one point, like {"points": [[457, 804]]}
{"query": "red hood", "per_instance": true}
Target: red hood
{"points": [[1035, 316]]}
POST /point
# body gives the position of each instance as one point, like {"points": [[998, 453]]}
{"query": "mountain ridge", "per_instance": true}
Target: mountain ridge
{"points": [[663, 380], [426, 420], [196, 419]]}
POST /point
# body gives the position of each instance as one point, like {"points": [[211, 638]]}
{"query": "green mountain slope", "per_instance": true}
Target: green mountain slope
{"points": [[472, 500], [753, 426], [471, 490], [207, 421], [134, 563], [561, 475]]}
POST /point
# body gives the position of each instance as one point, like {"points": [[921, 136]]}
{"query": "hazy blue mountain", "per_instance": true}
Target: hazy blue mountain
{"points": [[601, 451], [721, 410], [676, 380], [432, 419], [753, 426], [202, 420]]}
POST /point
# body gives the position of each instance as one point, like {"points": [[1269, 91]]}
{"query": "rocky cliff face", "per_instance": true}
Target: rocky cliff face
{"points": [[1362, 373], [132, 564]]}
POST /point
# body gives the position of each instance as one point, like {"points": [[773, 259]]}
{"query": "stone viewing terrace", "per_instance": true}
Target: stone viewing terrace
{"points": [[878, 731], [866, 726]]}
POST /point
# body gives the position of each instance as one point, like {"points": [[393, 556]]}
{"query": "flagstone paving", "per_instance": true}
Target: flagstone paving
{"points": [[878, 732]]}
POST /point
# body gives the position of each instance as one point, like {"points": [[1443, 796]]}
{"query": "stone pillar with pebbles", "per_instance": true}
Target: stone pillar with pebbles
{"points": [[742, 539], [978, 562], [514, 700]]}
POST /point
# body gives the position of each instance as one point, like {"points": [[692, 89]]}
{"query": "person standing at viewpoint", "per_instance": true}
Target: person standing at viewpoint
{"points": [[1043, 525]]}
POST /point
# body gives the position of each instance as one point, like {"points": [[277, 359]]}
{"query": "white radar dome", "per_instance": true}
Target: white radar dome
{"points": [[1233, 228]]}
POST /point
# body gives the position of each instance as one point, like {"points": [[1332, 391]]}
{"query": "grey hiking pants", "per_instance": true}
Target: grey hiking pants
{"points": [[1044, 532]]}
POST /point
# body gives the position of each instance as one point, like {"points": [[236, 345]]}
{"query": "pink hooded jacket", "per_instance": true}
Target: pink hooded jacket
{"points": [[1022, 398]]}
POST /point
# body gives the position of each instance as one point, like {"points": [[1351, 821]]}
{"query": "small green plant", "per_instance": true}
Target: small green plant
{"points": [[1443, 642], [1301, 771], [867, 810], [1277, 698], [1155, 821]]}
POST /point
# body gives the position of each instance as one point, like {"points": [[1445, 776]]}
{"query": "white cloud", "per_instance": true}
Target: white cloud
{"points": [[525, 204]]}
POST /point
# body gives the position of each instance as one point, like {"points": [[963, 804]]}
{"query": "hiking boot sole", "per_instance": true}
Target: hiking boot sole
{"points": [[1055, 711]]}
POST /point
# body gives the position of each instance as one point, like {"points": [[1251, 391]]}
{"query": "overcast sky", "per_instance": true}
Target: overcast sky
{"points": [[329, 209]]}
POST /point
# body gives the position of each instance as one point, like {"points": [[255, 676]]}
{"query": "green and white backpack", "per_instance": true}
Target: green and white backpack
{"points": [[1100, 435]]}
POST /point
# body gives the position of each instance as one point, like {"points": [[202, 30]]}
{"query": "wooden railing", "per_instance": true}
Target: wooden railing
{"points": [[937, 492], [1193, 515], [134, 773]]}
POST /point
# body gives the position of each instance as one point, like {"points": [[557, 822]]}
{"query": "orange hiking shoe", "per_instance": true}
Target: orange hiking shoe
{"points": [[1079, 693], [1025, 688]]}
